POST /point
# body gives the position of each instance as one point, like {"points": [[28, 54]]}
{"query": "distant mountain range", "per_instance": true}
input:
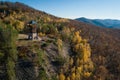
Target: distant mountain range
{"points": [[108, 23]]}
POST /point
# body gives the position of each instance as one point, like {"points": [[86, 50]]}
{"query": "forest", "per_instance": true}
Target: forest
{"points": [[68, 49]]}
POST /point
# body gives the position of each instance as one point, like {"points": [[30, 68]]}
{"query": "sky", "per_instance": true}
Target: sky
{"points": [[93, 9]]}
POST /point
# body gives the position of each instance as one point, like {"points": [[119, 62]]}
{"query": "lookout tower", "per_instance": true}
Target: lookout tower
{"points": [[32, 27]]}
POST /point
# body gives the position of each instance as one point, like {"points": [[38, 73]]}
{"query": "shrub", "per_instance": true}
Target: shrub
{"points": [[42, 74], [59, 61], [1, 55]]}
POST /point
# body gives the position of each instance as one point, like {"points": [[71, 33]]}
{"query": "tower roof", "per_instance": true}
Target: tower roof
{"points": [[32, 22]]}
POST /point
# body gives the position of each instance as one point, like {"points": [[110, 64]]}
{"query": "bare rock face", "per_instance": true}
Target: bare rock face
{"points": [[25, 67]]}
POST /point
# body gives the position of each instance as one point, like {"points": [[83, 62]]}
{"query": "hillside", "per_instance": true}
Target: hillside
{"points": [[69, 49], [107, 23]]}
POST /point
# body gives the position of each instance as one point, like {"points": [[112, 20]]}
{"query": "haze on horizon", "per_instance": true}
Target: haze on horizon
{"points": [[93, 9]]}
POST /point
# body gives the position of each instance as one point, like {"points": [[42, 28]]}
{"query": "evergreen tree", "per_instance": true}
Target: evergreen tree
{"points": [[8, 38]]}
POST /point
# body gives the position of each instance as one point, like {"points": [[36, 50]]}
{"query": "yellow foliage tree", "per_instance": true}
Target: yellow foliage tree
{"points": [[19, 25], [76, 37], [77, 76], [80, 64], [66, 33], [61, 76], [79, 69], [87, 74], [68, 78], [41, 34], [71, 61], [82, 59], [73, 69], [73, 76], [59, 44]]}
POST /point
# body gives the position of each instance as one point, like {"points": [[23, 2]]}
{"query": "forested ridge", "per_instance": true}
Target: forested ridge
{"points": [[69, 50]]}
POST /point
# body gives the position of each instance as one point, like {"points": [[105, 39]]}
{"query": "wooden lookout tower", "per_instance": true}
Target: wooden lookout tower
{"points": [[32, 27]]}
